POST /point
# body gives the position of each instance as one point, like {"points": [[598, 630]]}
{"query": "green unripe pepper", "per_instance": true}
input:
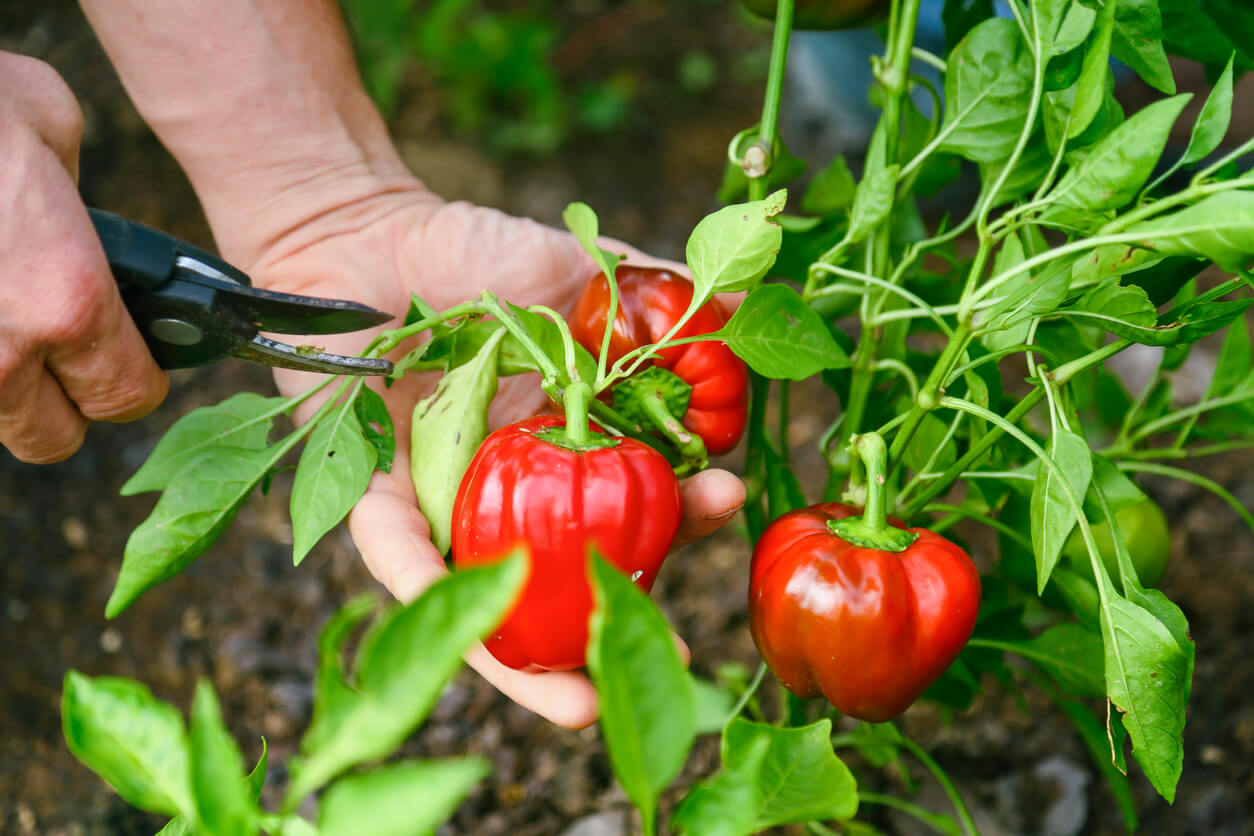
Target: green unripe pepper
{"points": [[1144, 528]]}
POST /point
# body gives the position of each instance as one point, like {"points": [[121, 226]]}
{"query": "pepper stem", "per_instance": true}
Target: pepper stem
{"points": [[871, 530], [691, 447], [575, 399]]}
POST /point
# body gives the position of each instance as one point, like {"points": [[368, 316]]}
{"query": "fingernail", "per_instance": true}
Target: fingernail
{"points": [[723, 516]]}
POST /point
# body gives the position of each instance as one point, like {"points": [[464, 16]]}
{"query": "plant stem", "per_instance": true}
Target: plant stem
{"points": [[931, 391], [774, 92], [1193, 479], [755, 455], [552, 374], [748, 693], [874, 454], [575, 399]]}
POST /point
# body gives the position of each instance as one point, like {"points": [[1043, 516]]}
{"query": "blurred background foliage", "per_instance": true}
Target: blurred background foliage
{"points": [[526, 76]]}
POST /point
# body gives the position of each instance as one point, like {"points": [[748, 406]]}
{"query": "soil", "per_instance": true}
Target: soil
{"points": [[243, 617]]}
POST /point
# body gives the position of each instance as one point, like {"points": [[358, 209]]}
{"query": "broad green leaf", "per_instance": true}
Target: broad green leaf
{"points": [[1125, 311], [872, 202], [1146, 679], [333, 473], [223, 800], [1109, 261], [132, 740], [1201, 320], [1212, 122], [1116, 168], [196, 506], [1234, 369], [1029, 172], [1092, 734], [1220, 228], [287, 825], [333, 696], [733, 248], [987, 92], [181, 825], [547, 335], [1120, 491], [930, 440], [1138, 42], [402, 666], [582, 222], [648, 705], [1075, 28], [1072, 655], [714, 705], [991, 321], [1210, 34], [1048, 16], [1028, 295], [447, 429], [1091, 86], [399, 799], [961, 16], [770, 776], [1052, 514], [780, 336], [241, 421], [831, 190], [177, 826], [256, 779], [376, 425]]}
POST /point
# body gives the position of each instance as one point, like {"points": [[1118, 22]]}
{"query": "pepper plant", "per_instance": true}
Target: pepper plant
{"points": [[968, 354]]}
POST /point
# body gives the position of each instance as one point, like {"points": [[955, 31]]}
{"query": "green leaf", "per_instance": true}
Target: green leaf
{"points": [[1212, 122], [714, 705], [1210, 34], [582, 221], [1075, 28], [333, 696], [1112, 173], [1146, 679], [1234, 368], [177, 826], [1125, 311], [376, 425], [987, 92], [447, 429], [780, 336], [287, 825], [1220, 228], [770, 776], [928, 440], [1091, 87], [1052, 514], [1109, 261], [872, 202], [133, 741], [402, 666], [733, 248], [648, 705], [223, 800], [242, 421], [399, 799], [197, 505], [1120, 491], [1027, 295], [1048, 16], [831, 190], [333, 473], [549, 337], [1072, 655], [256, 779], [1138, 42]]}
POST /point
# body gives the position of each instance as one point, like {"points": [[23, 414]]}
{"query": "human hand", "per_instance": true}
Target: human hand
{"points": [[380, 249], [69, 352]]}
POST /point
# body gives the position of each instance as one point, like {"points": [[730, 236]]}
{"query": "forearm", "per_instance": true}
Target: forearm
{"points": [[260, 102]]}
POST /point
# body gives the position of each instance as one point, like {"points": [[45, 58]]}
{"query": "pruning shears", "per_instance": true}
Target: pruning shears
{"points": [[193, 308]]}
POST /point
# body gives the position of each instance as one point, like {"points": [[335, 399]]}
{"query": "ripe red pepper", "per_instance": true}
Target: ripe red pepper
{"points": [[650, 302], [825, 14], [867, 628], [524, 486]]}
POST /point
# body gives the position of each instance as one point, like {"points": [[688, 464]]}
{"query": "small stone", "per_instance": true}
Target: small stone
{"points": [[110, 640], [74, 532], [17, 610], [26, 818], [193, 624], [599, 824], [1212, 755]]}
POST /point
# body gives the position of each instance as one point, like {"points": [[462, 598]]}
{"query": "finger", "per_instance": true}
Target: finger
{"points": [[38, 424], [566, 698], [711, 498]]}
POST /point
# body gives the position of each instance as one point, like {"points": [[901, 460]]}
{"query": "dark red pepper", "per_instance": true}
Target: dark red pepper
{"points": [[650, 301], [868, 626], [524, 486]]}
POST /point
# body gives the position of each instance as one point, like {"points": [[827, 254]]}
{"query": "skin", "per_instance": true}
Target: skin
{"points": [[260, 103]]}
